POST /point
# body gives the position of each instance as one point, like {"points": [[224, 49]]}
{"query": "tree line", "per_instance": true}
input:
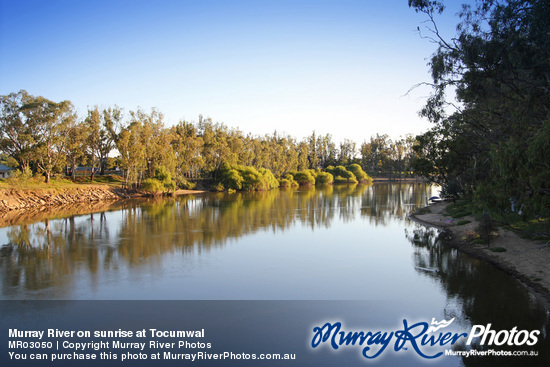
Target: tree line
{"points": [[493, 144], [39, 136]]}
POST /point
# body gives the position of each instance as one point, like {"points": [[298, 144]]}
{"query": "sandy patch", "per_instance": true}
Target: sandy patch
{"points": [[526, 260]]}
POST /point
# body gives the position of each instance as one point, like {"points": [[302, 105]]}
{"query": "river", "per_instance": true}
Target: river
{"points": [[342, 244]]}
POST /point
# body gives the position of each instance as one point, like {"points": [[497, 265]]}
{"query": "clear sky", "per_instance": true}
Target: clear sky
{"points": [[341, 67]]}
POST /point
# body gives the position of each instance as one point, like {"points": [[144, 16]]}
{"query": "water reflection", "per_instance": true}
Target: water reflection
{"points": [[49, 253], [478, 293], [339, 243]]}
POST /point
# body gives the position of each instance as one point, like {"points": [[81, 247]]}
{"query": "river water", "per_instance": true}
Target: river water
{"points": [[336, 244]]}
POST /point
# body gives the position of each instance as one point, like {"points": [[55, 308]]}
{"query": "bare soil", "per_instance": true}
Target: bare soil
{"points": [[526, 260], [28, 205]]}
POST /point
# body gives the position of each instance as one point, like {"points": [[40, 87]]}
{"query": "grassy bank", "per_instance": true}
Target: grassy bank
{"points": [[532, 229]]}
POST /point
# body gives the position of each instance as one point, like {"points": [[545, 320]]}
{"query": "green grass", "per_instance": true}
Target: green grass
{"points": [[56, 182], [530, 229], [463, 222], [533, 229], [479, 241], [459, 210]]}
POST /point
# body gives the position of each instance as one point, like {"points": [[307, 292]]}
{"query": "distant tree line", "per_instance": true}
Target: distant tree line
{"points": [[41, 136], [493, 144]]}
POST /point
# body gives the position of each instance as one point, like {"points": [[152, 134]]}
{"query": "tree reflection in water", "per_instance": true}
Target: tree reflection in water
{"points": [[478, 293]]}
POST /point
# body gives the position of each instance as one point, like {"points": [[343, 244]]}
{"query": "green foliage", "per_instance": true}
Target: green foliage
{"points": [[165, 177], [288, 180], [304, 178], [236, 177], [451, 190], [345, 180], [283, 182], [24, 174], [152, 186], [232, 179], [496, 147], [342, 175], [358, 172], [269, 180], [183, 183], [161, 183], [324, 178]]}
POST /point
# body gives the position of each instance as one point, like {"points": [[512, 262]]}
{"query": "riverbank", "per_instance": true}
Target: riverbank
{"points": [[524, 259], [23, 204]]}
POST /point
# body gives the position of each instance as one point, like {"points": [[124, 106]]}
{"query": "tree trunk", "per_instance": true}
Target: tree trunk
{"points": [[73, 172]]}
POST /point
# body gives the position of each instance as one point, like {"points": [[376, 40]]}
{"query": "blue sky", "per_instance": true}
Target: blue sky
{"points": [[340, 67]]}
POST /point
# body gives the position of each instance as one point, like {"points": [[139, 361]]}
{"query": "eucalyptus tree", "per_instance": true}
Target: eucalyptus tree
{"points": [[303, 154], [52, 123], [187, 147], [347, 152], [494, 144], [101, 126], [215, 148], [76, 146], [18, 136], [132, 153]]}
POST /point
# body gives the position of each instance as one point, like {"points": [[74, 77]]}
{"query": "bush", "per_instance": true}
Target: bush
{"points": [[152, 186], [232, 179], [358, 172], [290, 177], [269, 180], [341, 174], [304, 178], [182, 183], [343, 180], [283, 182], [324, 178], [238, 177], [165, 178], [24, 174]]}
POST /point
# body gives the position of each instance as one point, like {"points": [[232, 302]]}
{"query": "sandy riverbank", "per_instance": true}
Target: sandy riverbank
{"points": [[524, 259]]}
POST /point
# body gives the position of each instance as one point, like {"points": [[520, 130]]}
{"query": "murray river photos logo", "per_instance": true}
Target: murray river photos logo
{"points": [[425, 339]]}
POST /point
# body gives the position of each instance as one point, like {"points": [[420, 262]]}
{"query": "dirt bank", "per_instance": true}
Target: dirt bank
{"points": [[524, 259], [18, 199], [27, 205]]}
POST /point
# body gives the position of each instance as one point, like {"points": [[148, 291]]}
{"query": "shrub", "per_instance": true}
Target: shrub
{"points": [[152, 186], [269, 180], [232, 179], [238, 177], [182, 183], [283, 182], [358, 172], [165, 178], [324, 178], [24, 175], [304, 178], [341, 174]]}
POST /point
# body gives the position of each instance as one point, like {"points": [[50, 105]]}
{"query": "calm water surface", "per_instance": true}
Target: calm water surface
{"points": [[337, 243]]}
